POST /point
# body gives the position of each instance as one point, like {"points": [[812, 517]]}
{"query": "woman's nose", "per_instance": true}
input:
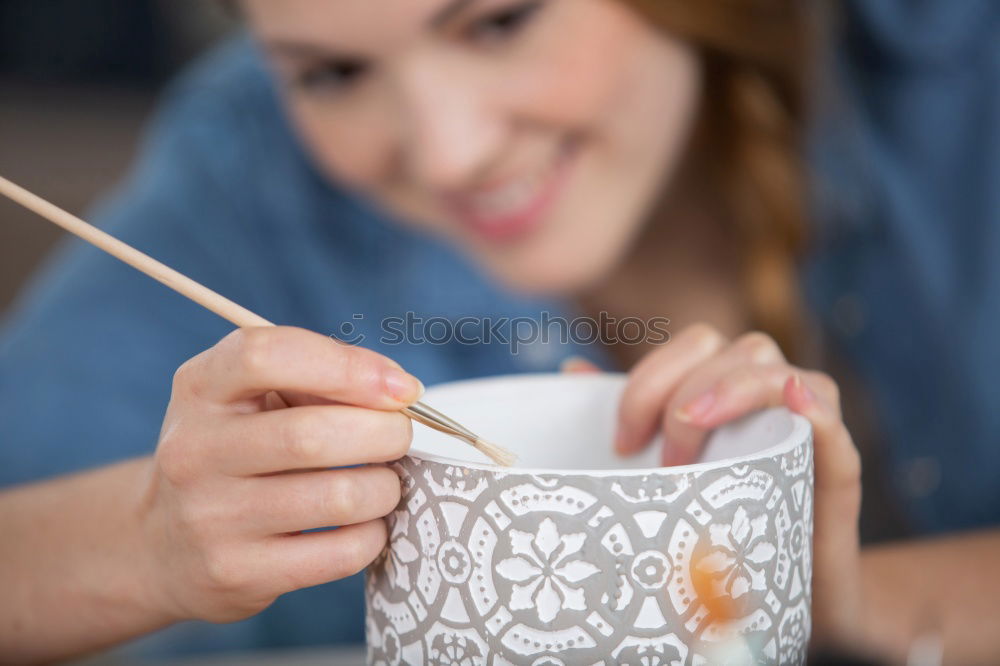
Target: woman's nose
{"points": [[451, 131]]}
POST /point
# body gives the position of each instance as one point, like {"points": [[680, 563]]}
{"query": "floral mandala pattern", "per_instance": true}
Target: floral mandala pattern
{"points": [[455, 651], [507, 568], [740, 550], [651, 569], [454, 562], [544, 571], [400, 555], [649, 655]]}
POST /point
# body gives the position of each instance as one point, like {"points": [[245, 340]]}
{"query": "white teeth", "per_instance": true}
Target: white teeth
{"points": [[506, 200]]}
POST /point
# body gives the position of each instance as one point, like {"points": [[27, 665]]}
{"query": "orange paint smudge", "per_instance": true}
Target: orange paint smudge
{"points": [[721, 607]]}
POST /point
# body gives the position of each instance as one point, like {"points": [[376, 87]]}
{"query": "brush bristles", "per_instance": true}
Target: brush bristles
{"points": [[497, 454]]}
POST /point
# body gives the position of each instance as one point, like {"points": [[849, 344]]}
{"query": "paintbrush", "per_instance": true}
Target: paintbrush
{"points": [[219, 304]]}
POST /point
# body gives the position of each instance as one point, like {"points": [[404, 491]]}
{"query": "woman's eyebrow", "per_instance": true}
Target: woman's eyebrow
{"points": [[449, 12], [303, 49], [300, 49]]}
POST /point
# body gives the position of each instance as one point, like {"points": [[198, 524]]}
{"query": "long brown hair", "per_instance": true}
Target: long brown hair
{"points": [[748, 145]]}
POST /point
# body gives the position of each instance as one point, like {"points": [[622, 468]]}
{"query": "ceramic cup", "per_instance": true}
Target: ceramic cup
{"points": [[578, 556]]}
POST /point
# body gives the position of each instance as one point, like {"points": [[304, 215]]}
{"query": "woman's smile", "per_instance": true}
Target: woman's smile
{"points": [[510, 209], [533, 136]]}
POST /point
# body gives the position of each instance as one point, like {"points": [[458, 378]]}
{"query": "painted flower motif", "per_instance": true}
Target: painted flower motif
{"points": [[738, 551], [650, 569], [648, 655], [452, 650], [792, 634], [454, 478], [797, 540], [543, 571], [390, 652], [400, 553], [638, 489], [454, 561]]}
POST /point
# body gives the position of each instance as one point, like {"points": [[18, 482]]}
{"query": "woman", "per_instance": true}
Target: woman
{"points": [[462, 157]]}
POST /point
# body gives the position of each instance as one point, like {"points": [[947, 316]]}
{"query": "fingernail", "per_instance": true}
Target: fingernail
{"points": [[803, 390], [577, 364], [402, 386], [696, 409]]}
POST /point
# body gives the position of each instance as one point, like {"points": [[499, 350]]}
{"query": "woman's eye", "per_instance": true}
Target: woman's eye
{"points": [[505, 22], [331, 76]]}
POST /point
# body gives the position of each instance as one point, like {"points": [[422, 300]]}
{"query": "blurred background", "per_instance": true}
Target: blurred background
{"points": [[77, 81]]}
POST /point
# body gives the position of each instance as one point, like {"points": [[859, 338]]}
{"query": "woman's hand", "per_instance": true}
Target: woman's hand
{"points": [[701, 380], [237, 476]]}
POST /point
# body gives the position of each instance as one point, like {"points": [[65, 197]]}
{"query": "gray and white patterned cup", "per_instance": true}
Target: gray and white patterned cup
{"points": [[577, 556]]}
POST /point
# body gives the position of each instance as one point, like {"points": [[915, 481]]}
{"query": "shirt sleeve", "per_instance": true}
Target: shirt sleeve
{"points": [[904, 273], [220, 193], [88, 353]]}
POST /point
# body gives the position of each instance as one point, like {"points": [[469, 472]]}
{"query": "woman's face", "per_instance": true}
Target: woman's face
{"points": [[533, 134]]}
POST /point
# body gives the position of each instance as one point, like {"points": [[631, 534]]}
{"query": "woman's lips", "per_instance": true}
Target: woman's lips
{"points": [[511, 211]]}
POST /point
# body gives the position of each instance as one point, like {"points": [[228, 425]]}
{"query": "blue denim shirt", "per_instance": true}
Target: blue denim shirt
{"points": [[908, 236]]}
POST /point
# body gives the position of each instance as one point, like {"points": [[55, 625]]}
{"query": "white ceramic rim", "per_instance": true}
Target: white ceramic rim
{"points": [[800, 434]]}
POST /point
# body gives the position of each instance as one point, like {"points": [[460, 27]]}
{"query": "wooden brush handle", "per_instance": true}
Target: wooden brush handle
{"points": [[208, 299], [182, 284]]}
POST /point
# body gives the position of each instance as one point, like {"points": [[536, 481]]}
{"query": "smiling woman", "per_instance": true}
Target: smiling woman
{"points": [[539, 135], [502, 160], [534, 134]]}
